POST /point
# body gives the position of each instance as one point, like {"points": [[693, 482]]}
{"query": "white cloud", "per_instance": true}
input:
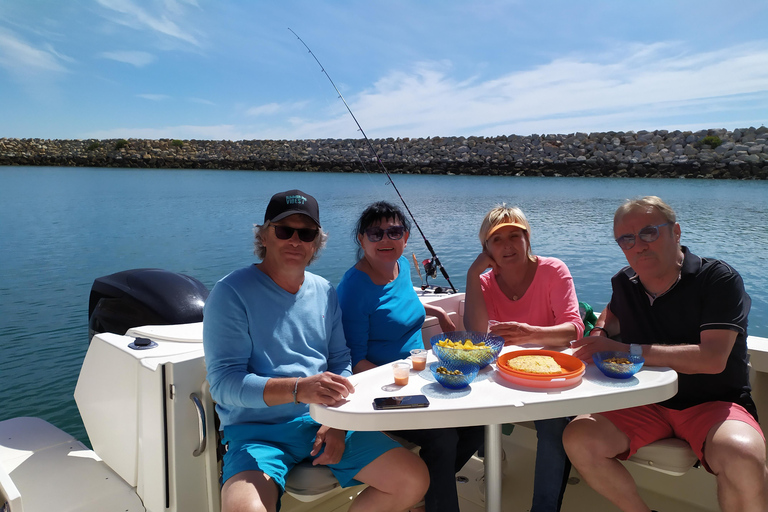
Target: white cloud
{"points": [[22, 59], [646, 87], [261, 110], [270, 109], [154, 97], [175, 7], [646, 84], [201, 101], [132, 15], [50, 49], [138, 59]]}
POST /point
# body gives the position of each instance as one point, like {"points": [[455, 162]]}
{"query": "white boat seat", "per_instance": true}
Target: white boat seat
{"points": [[306, 482], [672, 456]]}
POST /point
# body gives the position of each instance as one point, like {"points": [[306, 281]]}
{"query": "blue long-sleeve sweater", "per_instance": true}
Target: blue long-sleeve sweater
{"points": [[254, 330]]}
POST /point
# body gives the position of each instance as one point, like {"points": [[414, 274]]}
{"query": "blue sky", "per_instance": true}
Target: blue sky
{"points": [[231, 69]]}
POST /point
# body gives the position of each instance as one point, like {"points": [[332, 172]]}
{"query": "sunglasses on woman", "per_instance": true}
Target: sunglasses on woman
{"points": [[648, 234], [286, 233], [375, 234]]}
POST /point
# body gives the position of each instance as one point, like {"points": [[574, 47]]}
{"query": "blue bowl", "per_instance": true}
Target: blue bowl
{"points": [[482, 357], [450, 381], [618, 370]]}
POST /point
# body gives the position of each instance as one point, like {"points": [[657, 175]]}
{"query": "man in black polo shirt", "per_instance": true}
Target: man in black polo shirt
{"points": [[690, 314]]}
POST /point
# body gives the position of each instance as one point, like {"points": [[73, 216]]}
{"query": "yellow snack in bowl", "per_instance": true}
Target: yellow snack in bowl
{"points": [[466, 344]]}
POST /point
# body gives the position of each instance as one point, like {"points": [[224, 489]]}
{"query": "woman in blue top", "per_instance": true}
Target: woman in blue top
{"points": [[382, 318]]}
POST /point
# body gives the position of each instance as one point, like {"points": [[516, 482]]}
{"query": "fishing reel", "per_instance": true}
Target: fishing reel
{"points": [[430, 269]]}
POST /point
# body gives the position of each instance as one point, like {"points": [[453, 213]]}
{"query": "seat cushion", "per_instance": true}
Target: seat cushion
{"points": [[672, 456], [306, 482]]}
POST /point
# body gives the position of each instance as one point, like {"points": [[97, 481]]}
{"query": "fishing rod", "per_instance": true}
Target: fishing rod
{"points": [[435, 260]]}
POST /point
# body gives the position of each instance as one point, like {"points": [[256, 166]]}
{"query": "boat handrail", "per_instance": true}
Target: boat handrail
{"points": [[201, 430]]}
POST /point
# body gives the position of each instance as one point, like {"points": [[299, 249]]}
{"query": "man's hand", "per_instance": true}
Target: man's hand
{"points": [[333, 441], [324, 388], [585, 347]]}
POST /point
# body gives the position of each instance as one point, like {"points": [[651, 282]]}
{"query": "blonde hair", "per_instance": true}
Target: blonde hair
{"points": [[645, 202], [503, 214], [261, 251]]}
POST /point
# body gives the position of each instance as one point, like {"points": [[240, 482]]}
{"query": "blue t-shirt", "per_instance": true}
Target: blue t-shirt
{"points": [[381, 323], [254, 330]]}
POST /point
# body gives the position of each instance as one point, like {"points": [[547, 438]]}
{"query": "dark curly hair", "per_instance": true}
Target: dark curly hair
{"points": [[375, 214]]}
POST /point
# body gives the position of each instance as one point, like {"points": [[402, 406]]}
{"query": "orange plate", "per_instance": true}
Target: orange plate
{"points": [[573, 369]]}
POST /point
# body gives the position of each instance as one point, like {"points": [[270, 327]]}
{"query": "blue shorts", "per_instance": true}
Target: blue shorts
{"points": [[275, 449]]}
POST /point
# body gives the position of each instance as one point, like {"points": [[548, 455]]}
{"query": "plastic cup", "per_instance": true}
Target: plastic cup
{"points": [[419, 359], [401, 371], [491, 323]]}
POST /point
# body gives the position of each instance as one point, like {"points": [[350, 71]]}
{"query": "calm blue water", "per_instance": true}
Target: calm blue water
{"points": [[60, 228]]}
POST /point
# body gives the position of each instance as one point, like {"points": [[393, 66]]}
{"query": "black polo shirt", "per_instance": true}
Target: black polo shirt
{"points": [[709, 295]]}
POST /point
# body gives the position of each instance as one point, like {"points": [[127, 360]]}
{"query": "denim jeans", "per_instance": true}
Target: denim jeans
{"points": [[552, 466], [445, 451]]}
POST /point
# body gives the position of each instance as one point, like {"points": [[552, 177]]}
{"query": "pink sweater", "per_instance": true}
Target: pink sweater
{"points": [[550, 300]]}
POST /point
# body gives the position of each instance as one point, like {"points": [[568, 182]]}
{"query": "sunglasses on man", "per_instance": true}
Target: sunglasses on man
{"points": [[286, 233], [375, 234], [648, 234]]}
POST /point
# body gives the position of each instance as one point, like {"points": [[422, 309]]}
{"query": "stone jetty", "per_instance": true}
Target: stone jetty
{"points": [[711, 154]]}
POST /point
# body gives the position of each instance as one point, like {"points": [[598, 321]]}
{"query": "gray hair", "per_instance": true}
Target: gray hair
{"points": [[261, 251], [646, 202]]}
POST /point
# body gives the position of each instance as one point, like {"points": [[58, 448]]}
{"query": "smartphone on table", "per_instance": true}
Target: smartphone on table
{"points": [[400, 402]]}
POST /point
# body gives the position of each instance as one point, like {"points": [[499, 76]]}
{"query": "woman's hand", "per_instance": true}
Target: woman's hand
{"points": [[482, 263], [515, 333], [324, 388], [446, 324], [475, 312], [333, 440]]}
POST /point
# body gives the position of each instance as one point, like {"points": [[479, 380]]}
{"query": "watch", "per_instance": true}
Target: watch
{"points": [[636, 350]]}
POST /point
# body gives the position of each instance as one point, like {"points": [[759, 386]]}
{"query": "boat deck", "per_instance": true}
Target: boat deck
{"points": [[692, 492]]}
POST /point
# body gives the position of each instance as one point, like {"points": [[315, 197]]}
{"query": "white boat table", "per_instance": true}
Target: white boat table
{"points": [[491, 401]]}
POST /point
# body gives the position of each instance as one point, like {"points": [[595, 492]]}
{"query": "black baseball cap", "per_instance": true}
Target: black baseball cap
{"points": [[292, 202]]}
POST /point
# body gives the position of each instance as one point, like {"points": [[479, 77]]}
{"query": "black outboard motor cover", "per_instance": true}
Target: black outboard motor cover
{"points": [[145, 296]]}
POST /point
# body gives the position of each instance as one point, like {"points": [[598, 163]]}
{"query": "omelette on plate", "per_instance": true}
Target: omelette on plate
{"points": [[535, 364]]}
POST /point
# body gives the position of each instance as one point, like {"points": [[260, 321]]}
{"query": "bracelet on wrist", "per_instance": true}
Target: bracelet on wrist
{"points": [[296, 391], [605, 333]]}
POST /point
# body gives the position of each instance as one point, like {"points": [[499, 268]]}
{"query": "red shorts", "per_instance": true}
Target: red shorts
{"points": [[648, 423]]}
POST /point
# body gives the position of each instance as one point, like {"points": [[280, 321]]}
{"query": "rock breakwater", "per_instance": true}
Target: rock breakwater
{"points": [[713, 154]]}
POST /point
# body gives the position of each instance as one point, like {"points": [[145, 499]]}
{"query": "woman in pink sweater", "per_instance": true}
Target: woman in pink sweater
{"points": [[525, 299]]}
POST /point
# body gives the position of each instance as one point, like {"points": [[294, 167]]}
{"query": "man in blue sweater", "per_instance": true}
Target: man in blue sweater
{"points": [[273, 344]]}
